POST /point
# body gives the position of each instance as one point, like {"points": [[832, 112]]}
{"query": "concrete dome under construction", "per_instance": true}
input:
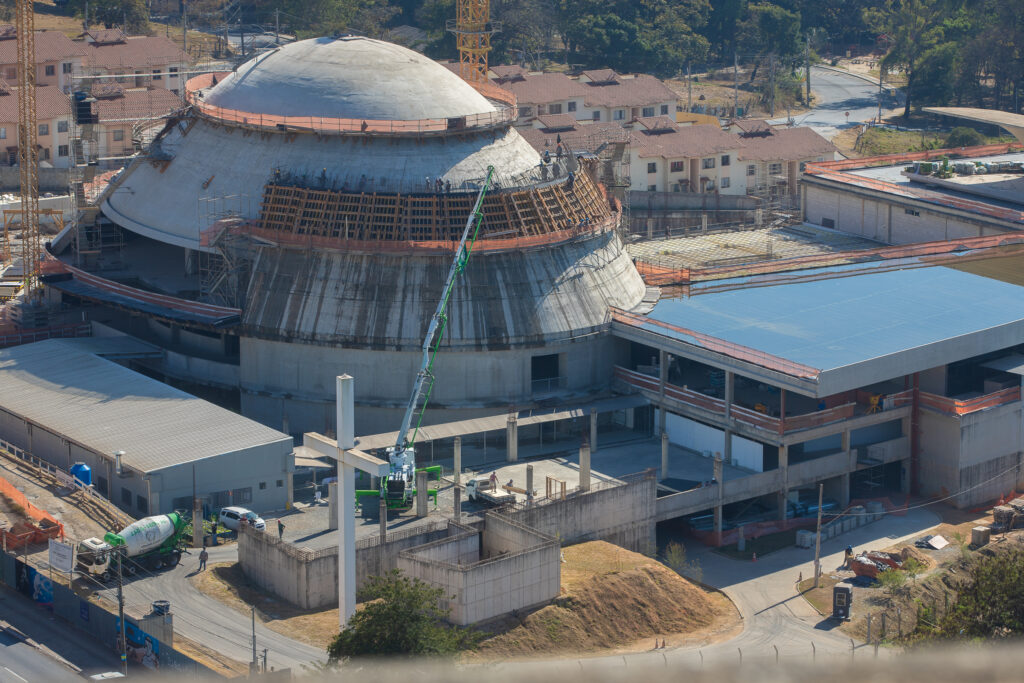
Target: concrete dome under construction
{"points": [[320, 190]]}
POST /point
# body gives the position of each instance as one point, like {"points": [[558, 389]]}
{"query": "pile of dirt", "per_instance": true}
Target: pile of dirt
{"points": [[611, 598]]}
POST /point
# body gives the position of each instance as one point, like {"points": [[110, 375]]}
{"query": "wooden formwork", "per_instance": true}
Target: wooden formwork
{"points": [[375, 216]]}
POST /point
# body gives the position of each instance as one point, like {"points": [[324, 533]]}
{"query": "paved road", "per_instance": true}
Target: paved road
{"points": [[208, 621], [837, 94], [64, 654]]}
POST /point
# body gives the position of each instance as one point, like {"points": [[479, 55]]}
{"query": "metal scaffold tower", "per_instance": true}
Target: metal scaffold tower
{"points": [[473, 29], [28, 152]]}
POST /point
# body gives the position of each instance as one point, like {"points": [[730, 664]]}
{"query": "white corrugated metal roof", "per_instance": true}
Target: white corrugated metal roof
{"points": [[105, 407]]}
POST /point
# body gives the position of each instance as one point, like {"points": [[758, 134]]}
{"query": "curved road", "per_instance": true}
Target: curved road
{"points": [[839, 93]]}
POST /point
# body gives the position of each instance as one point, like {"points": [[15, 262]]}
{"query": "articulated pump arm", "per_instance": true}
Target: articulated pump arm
{"points": [[435, 332]]}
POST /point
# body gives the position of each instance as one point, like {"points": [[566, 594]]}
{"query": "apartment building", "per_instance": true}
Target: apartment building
{"points": [[53, 119], [57, 58]]}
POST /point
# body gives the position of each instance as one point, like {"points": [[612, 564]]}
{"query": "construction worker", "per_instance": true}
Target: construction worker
{"points": [[203, 557], [280, 529], [494, 481]]}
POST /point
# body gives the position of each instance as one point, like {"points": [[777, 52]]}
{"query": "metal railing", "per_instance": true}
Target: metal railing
{"points": [[39, 334], [953, 406], [543, 386]]}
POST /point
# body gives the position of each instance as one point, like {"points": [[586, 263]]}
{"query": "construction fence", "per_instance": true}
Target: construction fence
{"points": [[42, 527]]}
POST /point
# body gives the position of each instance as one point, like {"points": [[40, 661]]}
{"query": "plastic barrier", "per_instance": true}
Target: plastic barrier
{"points": [[45, 525]]}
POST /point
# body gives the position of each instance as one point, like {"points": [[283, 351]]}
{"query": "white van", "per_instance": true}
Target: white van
{"points": [[233, 517]]}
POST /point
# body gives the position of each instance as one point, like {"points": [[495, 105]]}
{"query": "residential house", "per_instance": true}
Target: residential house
{"points": [[139, 61], [53, 119], [670, 158], [124, 119], [57, 58], [601, 95], [774, 156]]}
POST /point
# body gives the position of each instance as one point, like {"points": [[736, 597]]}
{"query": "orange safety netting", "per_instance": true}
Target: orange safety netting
{"points": [[20, 534], [504, 115], [892, 159], [952, 406]]}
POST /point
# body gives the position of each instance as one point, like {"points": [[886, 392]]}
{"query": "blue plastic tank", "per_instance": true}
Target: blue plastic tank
{"points": [[82, 473]]}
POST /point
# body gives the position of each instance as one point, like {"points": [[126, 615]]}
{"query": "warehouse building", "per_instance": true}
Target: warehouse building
{"points": [[68, 401]]}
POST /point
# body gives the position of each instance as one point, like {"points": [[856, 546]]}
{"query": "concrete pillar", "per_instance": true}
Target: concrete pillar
{"points": [[584, 468], [529, 484], [457, 506], [718, 524], [662, 372], [197, 524], [289, 482], [793, 175], [345, 424], [718, 473], [332, 505], [784, 472], [727, 446], [382, 508], [421, 494], [458, 460], [593, 430], [664, 455], [663, 419], [844, 490], [729, 386], [512, 438]]}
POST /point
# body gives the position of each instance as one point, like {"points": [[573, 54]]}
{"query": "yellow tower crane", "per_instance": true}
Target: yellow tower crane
{"points": [[28, 152], [473, 29]]}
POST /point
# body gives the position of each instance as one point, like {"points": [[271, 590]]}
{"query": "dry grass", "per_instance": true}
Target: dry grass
{"points": [[221, 664], [226, 583], [820, 598], [612, 600]]}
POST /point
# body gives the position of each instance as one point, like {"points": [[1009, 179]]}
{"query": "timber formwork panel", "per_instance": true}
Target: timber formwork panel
{"points": [[430, 217]]}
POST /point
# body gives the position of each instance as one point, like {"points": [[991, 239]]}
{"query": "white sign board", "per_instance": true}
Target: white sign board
{"points": [[61, 556]]}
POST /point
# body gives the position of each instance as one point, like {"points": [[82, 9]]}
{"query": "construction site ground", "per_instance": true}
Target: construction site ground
{"points": [[932, 590], [717, 91], [707, 250]]}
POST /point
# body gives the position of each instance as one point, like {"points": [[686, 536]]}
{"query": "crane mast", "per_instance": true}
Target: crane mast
{"points": [[28, 151], [402, 456]]}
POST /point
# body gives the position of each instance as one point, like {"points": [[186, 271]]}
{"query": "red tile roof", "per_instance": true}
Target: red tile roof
{"points": [[557, 121], [657, 123], [600, 75], [585, 137], [105, 36], [508, 72], [786, 144], [51, 103], [136, 51], [688, 142], [750, 125], [544, 88], [137, 104], [635, 91], [51, 46]]}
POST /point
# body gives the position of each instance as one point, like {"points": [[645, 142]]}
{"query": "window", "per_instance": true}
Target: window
{"points": [[774, 169], [725, 160], [62, 126], [126, 497], [571, 106], [44, 129], [11, 75], [219, 499], [620, 115], [263, 485], [44, 154], [62, 150], [280, 483], [751, 169], [51, 70], [142, 504], [725, 182], [664, 109], [707, 163], [648, 111], [545, 372], [652, 167], [525, 111], [241, 496], [676, 166], [911, 212], [65, 68], [596, 116], [3, 133], [118, 135], [101, 485], [652, 188], [555, 108], [172, 72], [157, 75]]}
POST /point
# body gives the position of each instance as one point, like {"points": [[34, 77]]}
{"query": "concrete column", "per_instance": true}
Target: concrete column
{"points": [[784, 471], [664, 455], [793, 173], [718, 472], [729, 386], [593, 430], [584, 468], [662, 372], [718, 524], [529, 484], [458, 460], [457, 506], [844, 490], [332, 505], [345, 424], [512, 437], [289, 482], [663, 419], [383, 514], [727, 446], [421, 494], [197, 524]]}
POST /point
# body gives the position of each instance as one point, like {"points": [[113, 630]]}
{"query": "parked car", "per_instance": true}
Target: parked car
{"points": [[233, 517]]}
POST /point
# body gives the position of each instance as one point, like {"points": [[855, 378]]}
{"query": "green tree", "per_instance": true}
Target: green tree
{"points": [[991, 604], [893, 582], [912, 566], [400, 616], [677, 560], [962, 136], [130, 15]]}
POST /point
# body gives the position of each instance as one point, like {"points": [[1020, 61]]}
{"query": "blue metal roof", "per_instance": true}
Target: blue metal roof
{"points": [[850, 319]]}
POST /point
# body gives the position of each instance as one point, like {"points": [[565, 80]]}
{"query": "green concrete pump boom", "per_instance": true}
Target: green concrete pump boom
{"points": [[435, 332]]}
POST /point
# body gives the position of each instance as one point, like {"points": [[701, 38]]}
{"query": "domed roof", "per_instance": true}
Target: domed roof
{"points": [[350, 77]]}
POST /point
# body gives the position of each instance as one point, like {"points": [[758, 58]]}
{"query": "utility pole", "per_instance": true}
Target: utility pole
{"points": [[807, 70], [255, 661], [689, 90], [184, 26], [771, 84], [120, 611], [817, 539], [277, 27], [881, 77], [735, 85], [264, 660]]}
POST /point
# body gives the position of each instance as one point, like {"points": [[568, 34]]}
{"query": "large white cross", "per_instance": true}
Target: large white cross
{"points": [[349, 460]]}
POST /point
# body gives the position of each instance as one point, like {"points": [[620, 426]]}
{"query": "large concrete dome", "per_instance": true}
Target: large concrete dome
{"points": [[350, 78]]}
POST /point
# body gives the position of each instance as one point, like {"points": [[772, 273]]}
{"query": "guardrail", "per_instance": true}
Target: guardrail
{"points": [[953, 406], [39, 334], [503, 115]]}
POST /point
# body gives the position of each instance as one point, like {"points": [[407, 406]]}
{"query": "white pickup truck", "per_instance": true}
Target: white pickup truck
{"points": [[480, 489]]}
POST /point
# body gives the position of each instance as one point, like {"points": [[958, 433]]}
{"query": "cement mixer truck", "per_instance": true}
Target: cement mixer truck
{"points": [[152, 543]]}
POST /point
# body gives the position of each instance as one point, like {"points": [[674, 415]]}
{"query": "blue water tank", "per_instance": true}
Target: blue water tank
{"points": [[82, 473]]}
